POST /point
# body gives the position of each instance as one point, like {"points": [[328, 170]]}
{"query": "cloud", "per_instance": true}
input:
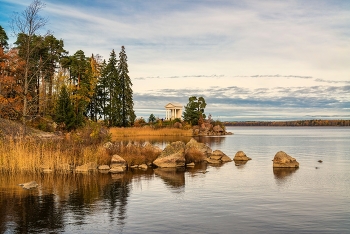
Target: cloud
{"points": [[333, 81]]}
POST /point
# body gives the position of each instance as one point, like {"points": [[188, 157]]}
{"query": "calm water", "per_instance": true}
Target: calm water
{"points": [[251, 198]]}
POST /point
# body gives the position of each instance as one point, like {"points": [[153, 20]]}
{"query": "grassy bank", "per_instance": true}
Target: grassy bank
{"points": [[35, 152], [136, 132]]}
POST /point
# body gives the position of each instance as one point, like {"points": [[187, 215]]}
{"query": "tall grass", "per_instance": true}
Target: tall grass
{"points": [[32, 155], [134, 132]]}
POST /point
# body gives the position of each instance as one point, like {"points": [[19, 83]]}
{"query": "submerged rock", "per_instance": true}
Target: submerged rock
{"points": [[282, 159], [241, 156], [29, 185]]}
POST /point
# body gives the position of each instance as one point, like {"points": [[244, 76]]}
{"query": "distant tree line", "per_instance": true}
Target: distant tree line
{"points": [[313, 122], [39, 78]]}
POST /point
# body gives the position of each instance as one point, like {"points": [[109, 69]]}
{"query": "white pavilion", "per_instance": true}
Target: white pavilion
{"points": [[173, 110]]}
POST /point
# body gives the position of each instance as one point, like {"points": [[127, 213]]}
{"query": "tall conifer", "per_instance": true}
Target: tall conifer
{"points": [[126, 94]]}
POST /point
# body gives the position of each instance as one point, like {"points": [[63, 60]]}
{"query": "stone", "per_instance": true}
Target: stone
{"points": [[192, 164], [103, 167], [206, 150], [116, 169], [175, 147], [218, 155], [218, 128], [241, 156], [86, 167], [143, 166], [213, 161], [118, 161], [174, 160], [282, 159], [29, 185]]}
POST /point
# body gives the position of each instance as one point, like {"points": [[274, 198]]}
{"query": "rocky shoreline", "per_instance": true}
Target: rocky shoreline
{"points": [[175, 155]]}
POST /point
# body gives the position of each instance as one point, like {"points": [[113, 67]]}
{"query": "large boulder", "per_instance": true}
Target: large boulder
{"points": [[282, 159], [206, 150], [86, 167], [241, 156], [174, 160], [175, 147], [117, 161], [172, 156]]}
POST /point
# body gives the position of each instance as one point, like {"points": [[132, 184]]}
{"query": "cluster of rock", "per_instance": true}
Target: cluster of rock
{"points": [[207, 129], [177, 154]]}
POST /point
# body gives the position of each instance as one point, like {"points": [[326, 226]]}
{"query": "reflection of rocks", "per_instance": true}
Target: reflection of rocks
{"points": [[86, 167], [239, 163], [281, 173], [241, 156], [172, 156], [282, 159], [175, 177], [29, 185]]}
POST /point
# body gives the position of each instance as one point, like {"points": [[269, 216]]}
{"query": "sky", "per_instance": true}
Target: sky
{"points": [[250, 59]]}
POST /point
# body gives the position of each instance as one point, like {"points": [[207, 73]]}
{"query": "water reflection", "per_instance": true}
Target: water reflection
{"points": [[172, 177], [282, 175], [240, 164]]}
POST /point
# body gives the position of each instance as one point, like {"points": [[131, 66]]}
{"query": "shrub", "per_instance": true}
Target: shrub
{"points": [[194, 155]]}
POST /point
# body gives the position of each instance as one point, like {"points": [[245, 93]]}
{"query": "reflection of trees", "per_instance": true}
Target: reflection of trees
{"points": [[211, 141], [37, 214], [173, 177], [116, 194]]}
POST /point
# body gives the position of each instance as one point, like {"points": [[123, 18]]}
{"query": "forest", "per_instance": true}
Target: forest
{"points": [[38, 77], [295, 123]]}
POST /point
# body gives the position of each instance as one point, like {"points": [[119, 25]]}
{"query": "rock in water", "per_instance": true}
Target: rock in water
{"points": [[241, 156], [282, 159], [29, 185]]}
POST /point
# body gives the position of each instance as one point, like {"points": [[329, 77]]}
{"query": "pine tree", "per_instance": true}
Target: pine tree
{"points": [[110, 89], [194, 110], [64, 110], [126, 94]]}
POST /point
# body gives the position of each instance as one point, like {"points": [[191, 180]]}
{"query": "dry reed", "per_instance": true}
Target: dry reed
{"points": [[134, 132]]}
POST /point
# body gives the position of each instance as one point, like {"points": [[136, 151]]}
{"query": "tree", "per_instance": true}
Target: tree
{"points": [[3, 38], [151, 118], [194, 110], [27, 24], [109, 89], [126, 94], [65, 110]]}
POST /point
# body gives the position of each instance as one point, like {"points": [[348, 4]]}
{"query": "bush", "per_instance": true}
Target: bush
{"points": [[194, 155]]}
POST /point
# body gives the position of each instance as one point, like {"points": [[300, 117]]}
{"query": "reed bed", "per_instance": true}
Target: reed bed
{"points": [[135, 132], [33, 155]]}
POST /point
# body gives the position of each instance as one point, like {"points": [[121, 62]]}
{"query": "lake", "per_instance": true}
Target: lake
{"points": [[250, 198]]}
